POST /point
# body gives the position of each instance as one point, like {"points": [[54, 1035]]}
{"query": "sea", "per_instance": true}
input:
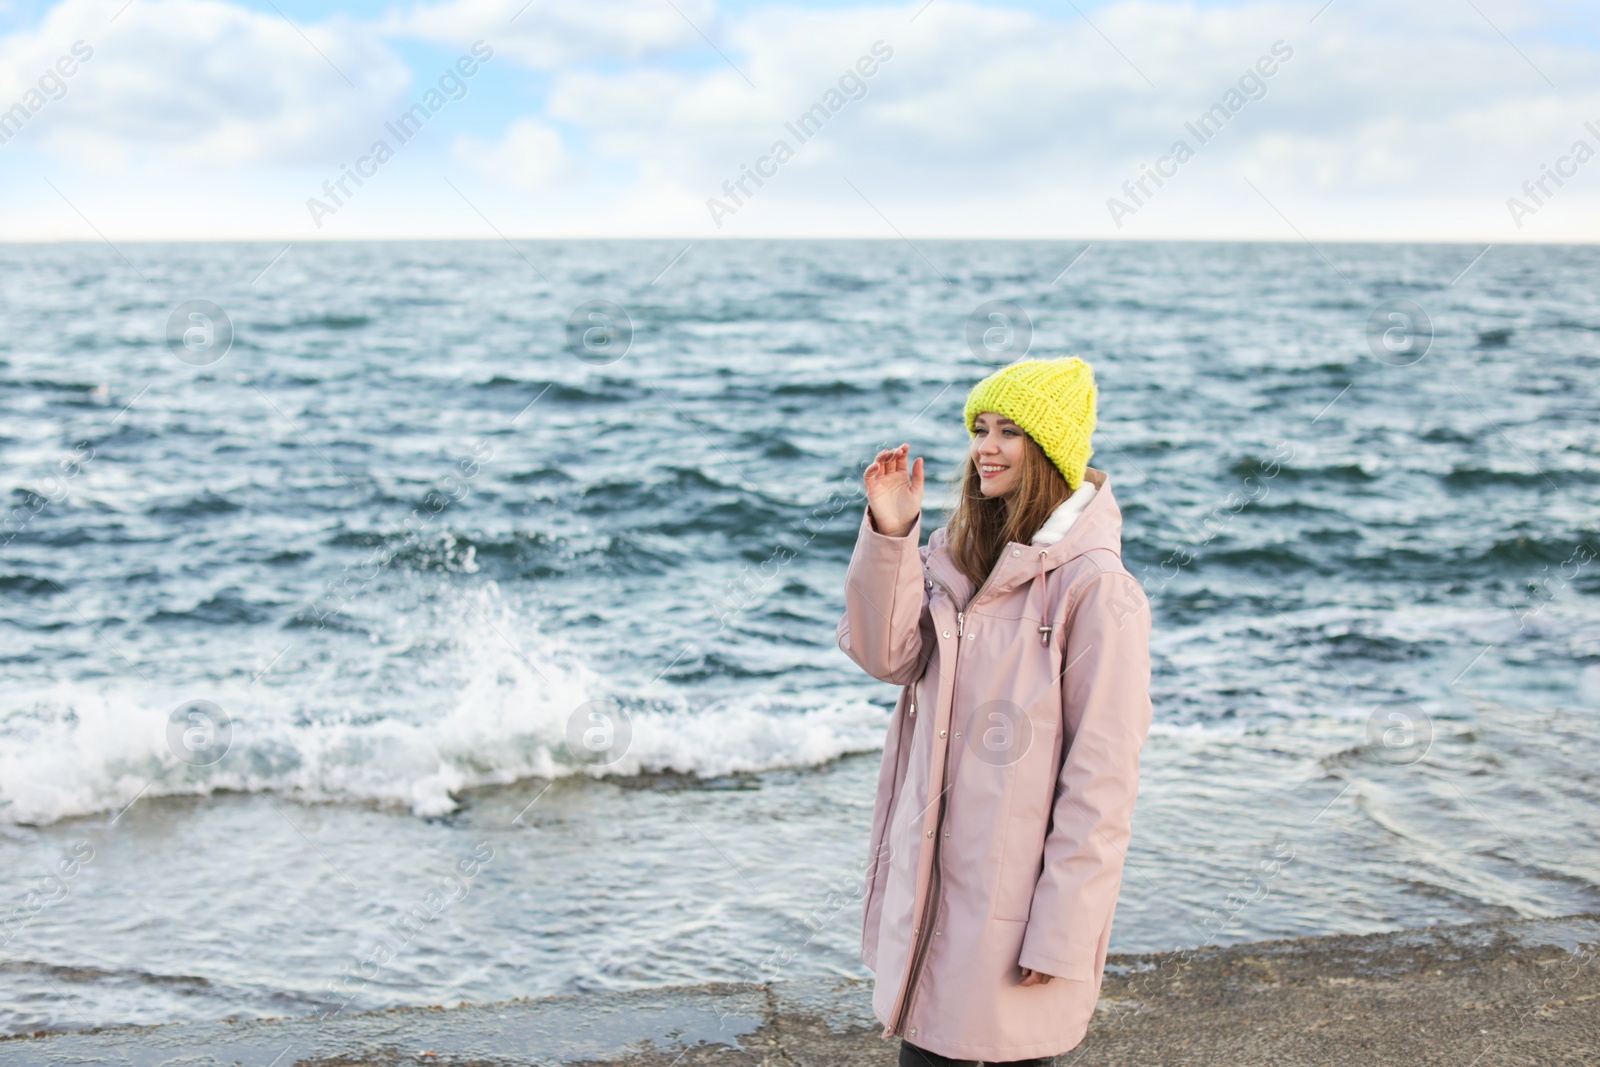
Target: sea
{"points": [[418, 623]]}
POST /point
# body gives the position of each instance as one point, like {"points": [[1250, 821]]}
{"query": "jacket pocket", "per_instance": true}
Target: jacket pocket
{"points": [[1021, 860], [1026, 824]]}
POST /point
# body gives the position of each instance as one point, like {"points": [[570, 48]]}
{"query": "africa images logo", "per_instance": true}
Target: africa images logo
{"points": [[452, 86], [852, 85], [1252, 86], [52, 85]]}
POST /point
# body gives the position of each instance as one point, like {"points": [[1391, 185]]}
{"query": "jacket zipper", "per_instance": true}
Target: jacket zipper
{"points": [[925, 938], [961, 615]]}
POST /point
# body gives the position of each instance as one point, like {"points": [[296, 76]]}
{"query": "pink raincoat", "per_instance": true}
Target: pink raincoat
{"points": [[1009, 775]]}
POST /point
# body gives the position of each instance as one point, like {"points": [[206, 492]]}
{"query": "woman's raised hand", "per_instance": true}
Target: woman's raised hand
{"points": [[894, 493]]}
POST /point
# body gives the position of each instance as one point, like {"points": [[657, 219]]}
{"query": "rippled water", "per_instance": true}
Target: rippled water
{"points": [[1377, 650]]}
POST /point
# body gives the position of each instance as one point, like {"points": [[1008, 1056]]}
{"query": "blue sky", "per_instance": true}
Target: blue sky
{"points": [[1402, 119]]}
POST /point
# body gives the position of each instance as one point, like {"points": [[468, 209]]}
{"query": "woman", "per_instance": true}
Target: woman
{"points": [[1022, 646]]}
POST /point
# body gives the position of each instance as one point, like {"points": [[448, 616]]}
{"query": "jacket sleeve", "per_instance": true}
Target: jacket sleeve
{"points": [[881, 628], [1105, 702]]}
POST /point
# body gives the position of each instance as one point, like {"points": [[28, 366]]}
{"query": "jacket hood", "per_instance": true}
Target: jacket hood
{"points": [[1098, 525], [1081, 523], [1065, 514]]}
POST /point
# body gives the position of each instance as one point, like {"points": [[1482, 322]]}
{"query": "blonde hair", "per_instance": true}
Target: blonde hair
{"points": [[980, 527]]}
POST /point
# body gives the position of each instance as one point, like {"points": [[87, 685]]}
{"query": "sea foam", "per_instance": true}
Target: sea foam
{"points": [[494, 715]]}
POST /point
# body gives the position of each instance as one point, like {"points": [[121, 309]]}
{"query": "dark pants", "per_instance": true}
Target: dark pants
{"points": [[912, 1056]]}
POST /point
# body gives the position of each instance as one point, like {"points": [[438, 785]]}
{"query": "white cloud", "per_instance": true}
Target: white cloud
{"points": [[1001, 121], [200, 83], [1390, 121], [529, 156], [549, 34]]}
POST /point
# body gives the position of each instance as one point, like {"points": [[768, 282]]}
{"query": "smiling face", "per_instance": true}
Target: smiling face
{"points": [[998, 450]]}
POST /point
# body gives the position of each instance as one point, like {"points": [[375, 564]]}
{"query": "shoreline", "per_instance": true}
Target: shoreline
{"points": [[1510, 992]]}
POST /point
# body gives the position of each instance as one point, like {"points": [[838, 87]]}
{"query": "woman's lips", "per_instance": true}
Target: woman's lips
{"points": [[991, 473]]}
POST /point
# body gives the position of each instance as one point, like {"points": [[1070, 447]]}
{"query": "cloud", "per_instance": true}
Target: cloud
{"points": [[551, 34], [530, 155], [200, 83], [1389, 121], [991, 118]]}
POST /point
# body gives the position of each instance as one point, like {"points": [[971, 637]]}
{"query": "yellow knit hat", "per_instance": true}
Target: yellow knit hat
{"points": [[1053, 400]]}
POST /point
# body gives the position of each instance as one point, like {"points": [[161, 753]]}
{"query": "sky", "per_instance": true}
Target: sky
{"points": [[1388, 120]]}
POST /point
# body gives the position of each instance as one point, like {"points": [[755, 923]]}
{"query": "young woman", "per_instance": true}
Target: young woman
{"points": [[1022, 646]]}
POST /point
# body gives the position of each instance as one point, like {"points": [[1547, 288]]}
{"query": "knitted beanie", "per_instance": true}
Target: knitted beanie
{"points": [[1053, 400]]}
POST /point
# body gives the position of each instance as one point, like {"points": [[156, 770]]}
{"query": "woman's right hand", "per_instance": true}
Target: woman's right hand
{"points": [[894, 493]]}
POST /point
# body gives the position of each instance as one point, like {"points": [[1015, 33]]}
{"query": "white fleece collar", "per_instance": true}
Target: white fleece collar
{"points": [[1065, 514]]}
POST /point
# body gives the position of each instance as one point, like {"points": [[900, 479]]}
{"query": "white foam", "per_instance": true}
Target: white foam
{"points": [[77, 749]]}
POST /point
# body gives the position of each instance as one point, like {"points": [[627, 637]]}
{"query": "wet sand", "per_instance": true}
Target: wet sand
{"points": [[1507, 993]]}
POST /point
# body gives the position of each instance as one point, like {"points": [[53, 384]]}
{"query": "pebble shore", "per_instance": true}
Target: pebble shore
{"points": [[1486, 994]]}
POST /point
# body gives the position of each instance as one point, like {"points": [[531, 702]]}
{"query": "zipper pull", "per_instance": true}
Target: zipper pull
{"points": [[961, 620]]}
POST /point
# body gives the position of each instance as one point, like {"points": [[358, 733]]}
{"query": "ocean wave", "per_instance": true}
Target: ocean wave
{"points": [[53, 386], [1277, 558], [226, 608], [327, 321], [78, 749], [558, 392], [540, 475], [203, 503], [62, 973], [1349, 473], [1508, 558], [681, 485], [1472, 477], [822, 389], [26, 585], [844, 283]]}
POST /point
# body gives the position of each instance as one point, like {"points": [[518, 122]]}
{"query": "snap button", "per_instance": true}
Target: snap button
{"points": [[938, 933], [913, 1031], [970, 636], [958, 733], [941, 733], [947, 633], [1016, 551], [930, 833]]}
